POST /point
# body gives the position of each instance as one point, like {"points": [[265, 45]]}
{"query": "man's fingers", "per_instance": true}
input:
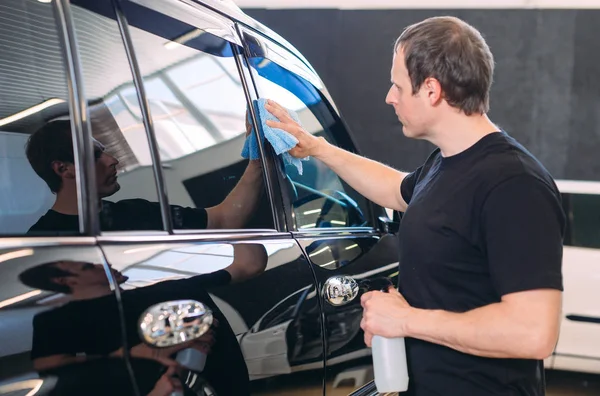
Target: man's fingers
{"points": [[275, 105], [286, 127], [367, 296], [171, 371], [165, 361], [279, 112]]}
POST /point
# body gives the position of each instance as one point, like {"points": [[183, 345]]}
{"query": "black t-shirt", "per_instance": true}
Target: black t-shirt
{"points": [[480, 224], [125, 215], [92, 327]]}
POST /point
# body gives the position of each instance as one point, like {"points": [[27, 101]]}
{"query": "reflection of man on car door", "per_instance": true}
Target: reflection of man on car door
{"points": [[93, 321]]}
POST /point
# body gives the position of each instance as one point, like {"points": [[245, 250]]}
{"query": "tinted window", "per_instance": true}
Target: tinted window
{"points": [[583, 225], [33, 93], [124, 174], [320, 199], [198, 109]]}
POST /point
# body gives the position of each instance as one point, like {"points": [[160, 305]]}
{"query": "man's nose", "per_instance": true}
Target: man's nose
{"points": [[389, 99], [113, 161]]}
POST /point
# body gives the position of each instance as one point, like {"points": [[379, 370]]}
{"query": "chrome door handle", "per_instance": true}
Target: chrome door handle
{"points": [[174, 322], [340, 290]]}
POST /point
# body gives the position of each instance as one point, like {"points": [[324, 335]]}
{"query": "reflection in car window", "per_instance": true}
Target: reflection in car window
{"points": [[320, 199], [124, 179], [33, 93], [198, 108]]}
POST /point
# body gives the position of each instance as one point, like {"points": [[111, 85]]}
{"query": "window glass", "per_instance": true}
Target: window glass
{"points": [[320, 199], [198, 109], [124, 175], [37, 171], [583, 220]]}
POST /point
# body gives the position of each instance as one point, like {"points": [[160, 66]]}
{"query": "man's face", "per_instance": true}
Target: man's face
{"points": [[106, 171], [411, 109], [86, 275]]}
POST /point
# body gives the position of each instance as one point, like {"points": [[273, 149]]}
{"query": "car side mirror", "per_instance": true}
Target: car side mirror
{"points": [[388, 225]]}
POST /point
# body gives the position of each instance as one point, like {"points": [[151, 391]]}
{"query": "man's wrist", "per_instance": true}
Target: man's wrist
{"points": [[323, 150], [413, 321]]}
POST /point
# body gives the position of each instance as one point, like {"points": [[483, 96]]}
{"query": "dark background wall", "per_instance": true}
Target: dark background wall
{"points": [[546, 90]]}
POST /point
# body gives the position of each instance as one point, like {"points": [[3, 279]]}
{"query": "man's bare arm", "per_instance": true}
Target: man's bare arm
{"points": [[238, 206], [523, 325], [376, 181]]}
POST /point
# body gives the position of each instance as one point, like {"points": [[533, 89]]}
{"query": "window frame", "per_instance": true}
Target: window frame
{"points": [[83, 150], [290, 62], [229, 33]]}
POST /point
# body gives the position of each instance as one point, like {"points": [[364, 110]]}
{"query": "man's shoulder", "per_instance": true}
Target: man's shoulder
{"points": [[55, 223], [130, 206], [509, 159]]}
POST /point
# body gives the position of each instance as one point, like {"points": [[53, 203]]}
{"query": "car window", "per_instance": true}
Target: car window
{"points": [[36, 157], [124, 175], [320, 199], [583, 220], [198, 109]]}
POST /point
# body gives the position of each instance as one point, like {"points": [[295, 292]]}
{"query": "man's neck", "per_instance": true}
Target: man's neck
{"points": [[66, 202], [459, 132], [90, 293]]}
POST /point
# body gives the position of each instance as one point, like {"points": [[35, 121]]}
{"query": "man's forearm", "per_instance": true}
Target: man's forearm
{"points": [[238, 206], [489, 331], [376, 181]]}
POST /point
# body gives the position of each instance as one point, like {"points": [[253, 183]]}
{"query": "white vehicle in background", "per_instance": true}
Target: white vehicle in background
{"points": [[578, 347]]}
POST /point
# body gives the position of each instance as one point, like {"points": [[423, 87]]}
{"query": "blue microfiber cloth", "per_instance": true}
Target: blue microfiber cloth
{"points": [[281, 141]]}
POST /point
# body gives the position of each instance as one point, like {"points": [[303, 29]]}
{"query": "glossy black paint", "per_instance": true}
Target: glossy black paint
{"points": [[264, 287]]}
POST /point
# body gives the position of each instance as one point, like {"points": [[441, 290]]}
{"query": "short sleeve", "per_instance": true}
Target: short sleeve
{"points": [[189, 218], [407, 187], [523, 227], [49, 338]]}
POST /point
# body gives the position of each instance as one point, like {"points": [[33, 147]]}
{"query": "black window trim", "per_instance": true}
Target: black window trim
{"points": [[147, 118], [349, 144], [83, 151]]}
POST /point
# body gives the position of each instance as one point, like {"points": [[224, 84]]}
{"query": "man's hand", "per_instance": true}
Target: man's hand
{"points": [[248, 124], [167, 384], [385, 314], [308, 145], [164, 355]]}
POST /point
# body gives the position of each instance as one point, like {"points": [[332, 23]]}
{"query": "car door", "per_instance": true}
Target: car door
{"points": [[60, 332], [335, 226], [177, 127]]}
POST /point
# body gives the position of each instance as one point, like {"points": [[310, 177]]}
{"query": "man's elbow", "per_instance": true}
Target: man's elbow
{"points": [[543, 342]]}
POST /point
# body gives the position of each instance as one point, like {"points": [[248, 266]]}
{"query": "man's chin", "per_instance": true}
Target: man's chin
{"points": [[107, 192]]}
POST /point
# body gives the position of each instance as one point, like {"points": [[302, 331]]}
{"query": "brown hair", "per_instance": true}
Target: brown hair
{"points": [[40, 277], [453, 52], [52, 142]]}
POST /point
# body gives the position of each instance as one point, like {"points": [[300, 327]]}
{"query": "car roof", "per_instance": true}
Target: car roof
{"points": [[230, 9], [578, 186]]}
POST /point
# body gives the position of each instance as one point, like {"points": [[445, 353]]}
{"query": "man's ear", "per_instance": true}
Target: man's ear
{"points": [[68, 281], [433, 89], [65, 170]]}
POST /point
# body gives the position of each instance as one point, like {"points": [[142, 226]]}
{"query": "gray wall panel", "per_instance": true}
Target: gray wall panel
{"points": [[546, 91]]}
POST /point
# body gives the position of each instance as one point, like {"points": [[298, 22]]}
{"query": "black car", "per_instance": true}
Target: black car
{"points": [[141, 252]]}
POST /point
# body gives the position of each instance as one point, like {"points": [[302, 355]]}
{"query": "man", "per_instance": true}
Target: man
{"points": [[93, 322], [50, 153], [479, 294]]}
